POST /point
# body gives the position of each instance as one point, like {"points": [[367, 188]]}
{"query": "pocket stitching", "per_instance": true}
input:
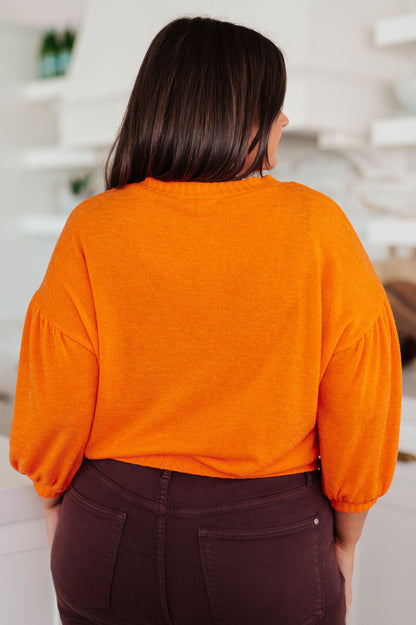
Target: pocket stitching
{"points": [[266, 532], [240, 505], [207, 568], [121, 490], [206, 533], [104, 511]]}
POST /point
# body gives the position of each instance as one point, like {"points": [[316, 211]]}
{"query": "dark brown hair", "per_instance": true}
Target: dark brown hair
{"points": [[202, 86]]}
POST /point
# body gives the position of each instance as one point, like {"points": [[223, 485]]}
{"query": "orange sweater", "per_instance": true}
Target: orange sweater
{"points": [[233, 329]]}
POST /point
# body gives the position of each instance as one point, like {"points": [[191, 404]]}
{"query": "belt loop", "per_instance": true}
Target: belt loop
{"points": [[163, 490], [308, 476]]}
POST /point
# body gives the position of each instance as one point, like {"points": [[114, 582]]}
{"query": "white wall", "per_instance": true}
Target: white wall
{"points": [[310, 32], [42, 13]]}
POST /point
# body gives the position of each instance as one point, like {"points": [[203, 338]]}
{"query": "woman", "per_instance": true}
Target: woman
{"points": [[209, 387]]}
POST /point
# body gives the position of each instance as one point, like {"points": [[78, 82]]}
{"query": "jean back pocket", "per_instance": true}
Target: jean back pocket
{"points": [[84, 550], [263, 575]]}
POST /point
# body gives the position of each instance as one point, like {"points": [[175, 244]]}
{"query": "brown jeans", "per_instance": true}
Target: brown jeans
{"points": [[137, 545]]}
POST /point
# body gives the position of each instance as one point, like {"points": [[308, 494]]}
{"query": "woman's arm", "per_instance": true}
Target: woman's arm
{"points": [[50, 502], [51, 508], [348, 528]]}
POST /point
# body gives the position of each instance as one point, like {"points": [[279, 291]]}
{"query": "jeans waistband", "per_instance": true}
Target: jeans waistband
{"points": [[190, 494]]}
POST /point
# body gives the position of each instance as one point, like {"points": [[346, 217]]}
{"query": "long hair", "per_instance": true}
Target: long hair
{"points": [[203, 86]]}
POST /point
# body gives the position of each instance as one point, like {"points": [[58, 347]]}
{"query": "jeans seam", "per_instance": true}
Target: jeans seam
{"points": [[322, 602], [163, 495]]}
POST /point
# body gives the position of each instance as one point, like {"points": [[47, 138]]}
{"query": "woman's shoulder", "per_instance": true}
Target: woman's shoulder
{"points": [[98, 212], [313, 198], [323, 213], [96, 204]]}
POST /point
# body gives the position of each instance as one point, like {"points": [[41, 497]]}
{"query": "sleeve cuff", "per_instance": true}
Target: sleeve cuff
{"points": [[45, 491], [345, 506]]}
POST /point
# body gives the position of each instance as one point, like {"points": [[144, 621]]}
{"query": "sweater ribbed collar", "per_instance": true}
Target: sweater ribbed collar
{"points": [[232, 187]]}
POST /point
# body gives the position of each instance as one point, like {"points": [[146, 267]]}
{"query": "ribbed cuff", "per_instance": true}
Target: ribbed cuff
{"points": [[345, 506], [45, 491]]}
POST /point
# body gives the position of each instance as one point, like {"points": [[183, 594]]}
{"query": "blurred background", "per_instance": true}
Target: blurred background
{"points": [[66, 73]]}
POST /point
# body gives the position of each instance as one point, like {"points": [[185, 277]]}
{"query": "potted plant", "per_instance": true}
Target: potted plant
{"points": [[74, 192]]}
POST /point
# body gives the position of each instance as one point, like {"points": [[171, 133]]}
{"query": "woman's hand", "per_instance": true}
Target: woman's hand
{"points": [[348, 528], [345, 559]]}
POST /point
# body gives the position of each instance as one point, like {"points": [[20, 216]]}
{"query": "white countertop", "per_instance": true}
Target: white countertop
{"points": [[18, 498]]}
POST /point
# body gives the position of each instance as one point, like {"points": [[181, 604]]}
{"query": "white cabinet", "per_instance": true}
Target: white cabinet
{"points": [[395, 30], [26, 588], [385, 566], [384, 578], [394, 131], [392, 231], [398, 31], [48, 93]]}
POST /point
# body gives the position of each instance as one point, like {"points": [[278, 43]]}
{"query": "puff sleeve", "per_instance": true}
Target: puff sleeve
{"points": [[358, 417], [58, 372], [54, 407]]}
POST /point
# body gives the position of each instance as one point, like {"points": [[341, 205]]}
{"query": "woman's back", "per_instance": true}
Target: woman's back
{"points": [[206, 315]]}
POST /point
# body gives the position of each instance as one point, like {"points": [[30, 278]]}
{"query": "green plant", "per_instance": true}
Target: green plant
{"points": [[79, 184]]}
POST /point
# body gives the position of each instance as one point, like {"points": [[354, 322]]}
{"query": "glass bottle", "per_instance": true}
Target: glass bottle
{"points": [[66, 43], [48, 54]]}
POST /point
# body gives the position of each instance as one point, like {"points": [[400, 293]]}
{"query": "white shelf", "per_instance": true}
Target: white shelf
{"points": [[43, 91], [392, 231], [55, 158], [400, 130], [44, 225], [397, 29], [394, 131], [338, 140]]}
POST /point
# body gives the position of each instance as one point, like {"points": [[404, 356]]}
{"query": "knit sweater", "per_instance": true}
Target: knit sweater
{"points": [[233, 330]]}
